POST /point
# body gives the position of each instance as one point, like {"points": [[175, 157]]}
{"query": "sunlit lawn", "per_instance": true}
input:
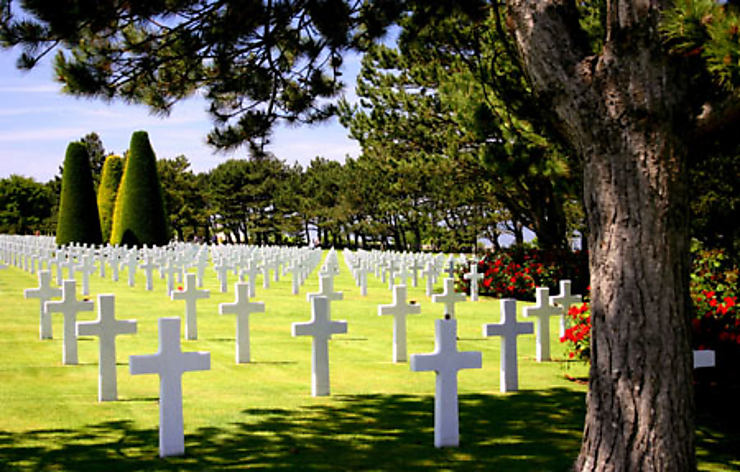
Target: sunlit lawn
{"points": [[261, 415]]}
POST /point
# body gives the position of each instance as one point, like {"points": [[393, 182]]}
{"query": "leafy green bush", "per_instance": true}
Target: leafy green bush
{"points": [[139, 216], [78, 211], [109, 182]]}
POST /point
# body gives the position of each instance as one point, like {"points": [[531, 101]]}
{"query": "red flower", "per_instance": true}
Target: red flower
{"points": [[713, 302], [730, 301]]}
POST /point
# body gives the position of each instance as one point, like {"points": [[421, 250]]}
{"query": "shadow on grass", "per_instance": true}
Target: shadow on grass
{"points": [[527, 431], [532, 431]]}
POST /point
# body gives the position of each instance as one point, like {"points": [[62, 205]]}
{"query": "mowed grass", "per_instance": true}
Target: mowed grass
{"points": [[261, 415]]}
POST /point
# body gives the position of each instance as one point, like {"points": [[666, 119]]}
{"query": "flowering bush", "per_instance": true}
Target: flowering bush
{"points": [[578, 336], [716, 318], [515, 272]]}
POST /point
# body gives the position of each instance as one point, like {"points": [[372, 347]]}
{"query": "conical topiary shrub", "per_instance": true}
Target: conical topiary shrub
{"points": [[139, 216], [109, 181], [78, 212]]}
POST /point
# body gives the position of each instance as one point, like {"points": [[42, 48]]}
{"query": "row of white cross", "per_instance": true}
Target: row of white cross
{"points": [[170, 362]]}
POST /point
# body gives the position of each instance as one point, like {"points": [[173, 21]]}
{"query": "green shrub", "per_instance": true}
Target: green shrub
{"points": [[111, 178], [139, 216], [78, 211]]}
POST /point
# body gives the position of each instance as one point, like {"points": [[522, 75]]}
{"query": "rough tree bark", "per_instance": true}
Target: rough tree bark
{"points": [[627, 112]]}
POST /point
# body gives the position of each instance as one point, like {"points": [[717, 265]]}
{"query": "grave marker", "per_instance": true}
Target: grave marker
{"points": [[542, 313], [44, 292], [69, 306], [446, 361], [242, 308], [86, 267], [191, 295], [106, 328], [399, 309], [704, 358], [449, 297], [565, 299], [508, 329], [148, 268], [474, 277], [170, 363], [320, 328]]}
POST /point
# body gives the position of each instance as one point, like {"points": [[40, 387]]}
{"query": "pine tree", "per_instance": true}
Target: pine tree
{"points": [[111, 178], [78, 213], [139, 216]]}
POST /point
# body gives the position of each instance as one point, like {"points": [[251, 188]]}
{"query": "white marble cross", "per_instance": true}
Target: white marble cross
{"points": [[430, 273], [222, 270], [69, 264], [265, 268], [58, 261], [86, 267], [415, 266], [508, 329], [106, 328], [69, 306], [131, 263], [542, 313], [474, 278], [446, 361], [362, 272], [148, 268], [44, 292], [170, 363], [170, 270], [326, 289], [399, 309], [191, 295], [450, 267], [242, 308], [200, 267], [251, 272], [295, 271], [449, 297], [320, 328], [403, 274], [565, 299]]}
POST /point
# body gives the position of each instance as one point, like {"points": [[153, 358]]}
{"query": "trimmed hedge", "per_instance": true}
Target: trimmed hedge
{"points": [[78, 211], [109, 182], [139, 217]]}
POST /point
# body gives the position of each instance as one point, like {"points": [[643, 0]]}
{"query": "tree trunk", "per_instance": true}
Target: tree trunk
{"points": [[626, 112]]}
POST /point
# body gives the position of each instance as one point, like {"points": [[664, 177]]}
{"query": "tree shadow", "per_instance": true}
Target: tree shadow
{"points": [[531, 430], [525, 431]]}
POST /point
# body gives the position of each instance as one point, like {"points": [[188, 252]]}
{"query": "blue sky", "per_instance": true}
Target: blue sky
{"points": [[37, 122]]}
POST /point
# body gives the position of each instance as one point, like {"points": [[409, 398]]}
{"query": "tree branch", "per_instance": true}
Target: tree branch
{"points": [[555, 53]]}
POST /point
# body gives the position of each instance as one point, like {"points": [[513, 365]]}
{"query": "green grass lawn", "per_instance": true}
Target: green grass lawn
{"points": [[261, 415]]}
